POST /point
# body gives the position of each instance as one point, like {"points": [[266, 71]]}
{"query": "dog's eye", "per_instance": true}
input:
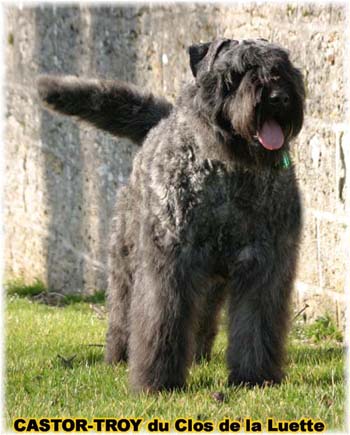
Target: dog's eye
{"points": [[232, 81], [259, 94]]}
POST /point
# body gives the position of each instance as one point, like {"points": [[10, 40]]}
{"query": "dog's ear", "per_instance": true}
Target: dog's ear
{"points": [[205, 54], [197, 53]]}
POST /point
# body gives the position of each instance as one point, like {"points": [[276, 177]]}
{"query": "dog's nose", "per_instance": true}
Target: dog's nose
{"points": [[279, 98]]}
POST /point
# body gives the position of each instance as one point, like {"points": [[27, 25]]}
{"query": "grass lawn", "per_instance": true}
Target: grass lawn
{"points": [[42, 381]]}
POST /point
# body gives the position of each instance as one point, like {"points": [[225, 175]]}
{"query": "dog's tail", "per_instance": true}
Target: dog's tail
{"points": [[111, 105]]}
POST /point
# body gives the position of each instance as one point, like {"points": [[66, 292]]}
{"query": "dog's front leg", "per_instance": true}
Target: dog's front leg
{"points": [[258, 324], [258, 327], [161, 326]]}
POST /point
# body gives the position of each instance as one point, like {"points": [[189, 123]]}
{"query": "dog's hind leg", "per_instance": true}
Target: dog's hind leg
{"points": [[162, 316], [115, 106], [120, 285], [208, 322]]}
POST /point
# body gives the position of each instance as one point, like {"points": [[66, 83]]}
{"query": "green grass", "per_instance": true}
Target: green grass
{"points": [[40, 383], [38, 291], [17, 287], [323, 329]]}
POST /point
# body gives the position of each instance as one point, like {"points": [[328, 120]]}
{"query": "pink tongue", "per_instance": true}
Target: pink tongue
{"points": [[271, 135]]}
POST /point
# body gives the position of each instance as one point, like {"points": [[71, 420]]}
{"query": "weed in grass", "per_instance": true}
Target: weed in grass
{"points": [[323, 329], [18, 287], [99, 297], [39, 292]]}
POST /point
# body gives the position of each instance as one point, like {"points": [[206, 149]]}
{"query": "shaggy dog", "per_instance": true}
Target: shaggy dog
{"points": [[212, 211]]}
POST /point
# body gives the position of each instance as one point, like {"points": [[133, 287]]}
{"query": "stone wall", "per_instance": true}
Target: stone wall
{"points": [[61, 178]]}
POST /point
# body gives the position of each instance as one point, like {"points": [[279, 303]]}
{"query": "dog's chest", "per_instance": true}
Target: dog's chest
{"points": [[213, 202]]}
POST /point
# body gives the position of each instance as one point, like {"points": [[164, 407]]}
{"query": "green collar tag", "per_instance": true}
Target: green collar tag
{"points": [[286, 161]]}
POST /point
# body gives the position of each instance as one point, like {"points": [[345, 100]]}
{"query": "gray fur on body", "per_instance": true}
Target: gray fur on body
{"points": [[208, 214]]}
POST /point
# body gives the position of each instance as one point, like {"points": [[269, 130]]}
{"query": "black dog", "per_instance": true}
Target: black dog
{"points": [[212, 210]]}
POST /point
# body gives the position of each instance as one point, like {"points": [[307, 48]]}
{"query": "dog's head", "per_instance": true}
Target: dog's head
{"points": [[252, 95]]}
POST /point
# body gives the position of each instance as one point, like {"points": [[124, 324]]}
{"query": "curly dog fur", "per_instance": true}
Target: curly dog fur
{"points": [[209, 213]]}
